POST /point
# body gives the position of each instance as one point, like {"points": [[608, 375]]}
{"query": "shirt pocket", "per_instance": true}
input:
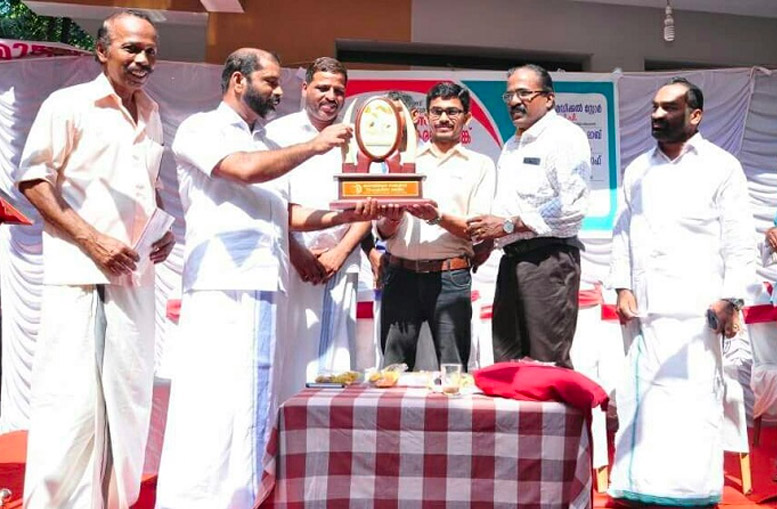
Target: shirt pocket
{"points": [[531, 179]]}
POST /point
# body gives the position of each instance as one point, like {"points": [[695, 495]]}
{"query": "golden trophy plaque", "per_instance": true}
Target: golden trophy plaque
{"points": [[384, 134]]}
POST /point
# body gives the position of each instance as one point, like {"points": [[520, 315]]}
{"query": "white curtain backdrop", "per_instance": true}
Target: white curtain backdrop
{"points": [[740, 115], [181, 89]]}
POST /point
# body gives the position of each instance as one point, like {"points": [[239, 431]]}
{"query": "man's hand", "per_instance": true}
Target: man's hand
{"points": [[306, 263], [332, 136], [331, 260], [365, 210], [111, 255], [482, 252], [485, 227], [391, 216], [424, 211], [162, 248], [391, 212], [771, 238], [626, 305], [728, 318], [375, 258]]}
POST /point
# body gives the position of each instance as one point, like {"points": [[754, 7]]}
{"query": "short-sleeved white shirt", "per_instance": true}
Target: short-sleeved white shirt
{"points": [[105, 166], [312, 183], [236, 234]]}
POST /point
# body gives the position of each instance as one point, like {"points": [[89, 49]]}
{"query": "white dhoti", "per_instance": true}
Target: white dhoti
{"points": [[222, 400], [92, 381], [668, 449], [321, 330]]}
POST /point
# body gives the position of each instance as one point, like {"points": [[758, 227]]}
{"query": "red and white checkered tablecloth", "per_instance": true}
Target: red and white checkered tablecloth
{"points": [[407, 447]]}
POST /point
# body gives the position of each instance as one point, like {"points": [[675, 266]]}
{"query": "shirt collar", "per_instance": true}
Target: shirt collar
{"points": [[457, 149], [230, 116], [691, 144], [103, 89], [539, 126]]}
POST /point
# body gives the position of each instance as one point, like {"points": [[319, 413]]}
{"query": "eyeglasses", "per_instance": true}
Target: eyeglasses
{"points": [[451, 112], [523, 94]]}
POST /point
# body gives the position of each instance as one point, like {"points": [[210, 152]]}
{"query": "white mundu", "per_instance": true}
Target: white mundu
{"points": [[322, 318], [682, 240], [223, 394], [92, 375]]}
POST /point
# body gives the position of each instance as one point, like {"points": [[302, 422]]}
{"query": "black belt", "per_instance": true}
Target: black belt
{"points": [[520, 247]]}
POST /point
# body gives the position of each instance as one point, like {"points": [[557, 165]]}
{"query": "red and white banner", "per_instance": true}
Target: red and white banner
{"points": [[11, 49]]}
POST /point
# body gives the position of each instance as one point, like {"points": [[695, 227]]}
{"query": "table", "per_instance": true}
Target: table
{"points": [[408, 447]]}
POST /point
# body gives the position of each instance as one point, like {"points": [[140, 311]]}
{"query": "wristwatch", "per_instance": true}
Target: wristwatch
{"points": [[508, 226], [738, 304], [435, 220]]}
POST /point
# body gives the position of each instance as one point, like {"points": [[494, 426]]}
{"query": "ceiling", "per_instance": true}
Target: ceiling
{"points": [[758, 8]]}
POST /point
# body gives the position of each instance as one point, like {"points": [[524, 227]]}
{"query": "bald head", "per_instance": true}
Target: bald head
{"points": [[245, 61]]}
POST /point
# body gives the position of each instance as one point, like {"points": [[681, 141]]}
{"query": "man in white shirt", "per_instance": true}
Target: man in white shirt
{"points": [[322, 288], [426, 271], [90, 167], [225, 383], [542, 196], [682, 257]]}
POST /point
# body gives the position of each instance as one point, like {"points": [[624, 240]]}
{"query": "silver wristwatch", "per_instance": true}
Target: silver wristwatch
{"points": [[508, 226], [435, 220]]}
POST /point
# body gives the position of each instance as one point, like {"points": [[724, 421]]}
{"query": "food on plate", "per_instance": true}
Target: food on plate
{"points": [[347, 377], [384, 378], [388, 376]]}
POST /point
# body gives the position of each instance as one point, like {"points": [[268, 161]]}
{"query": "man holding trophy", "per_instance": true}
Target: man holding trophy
{"points": [[427, 265]]}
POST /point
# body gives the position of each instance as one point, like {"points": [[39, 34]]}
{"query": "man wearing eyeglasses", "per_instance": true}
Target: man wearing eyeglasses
{"points": [[426, 276], [542, 196]]}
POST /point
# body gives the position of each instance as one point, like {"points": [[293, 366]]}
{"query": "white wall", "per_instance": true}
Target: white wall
{"points": [[613, 36]]}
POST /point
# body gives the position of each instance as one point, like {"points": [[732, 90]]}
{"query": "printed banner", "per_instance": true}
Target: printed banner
{"points": [[589, 100], [11, 49]]}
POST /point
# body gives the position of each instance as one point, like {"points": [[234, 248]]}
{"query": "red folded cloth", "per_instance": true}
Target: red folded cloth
{"points": [[533, 381]]}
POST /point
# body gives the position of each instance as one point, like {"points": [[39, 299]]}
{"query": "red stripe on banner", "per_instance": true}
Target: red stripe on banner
{"points": [[761, 313], [173, 311], [475, 295], [364, 309]]}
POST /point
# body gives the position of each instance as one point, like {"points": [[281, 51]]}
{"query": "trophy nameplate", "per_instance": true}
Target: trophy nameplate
{"points": [[383, 133]]}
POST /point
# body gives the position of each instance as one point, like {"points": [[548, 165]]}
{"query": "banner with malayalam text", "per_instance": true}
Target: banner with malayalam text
{"points": [[589, 100]]}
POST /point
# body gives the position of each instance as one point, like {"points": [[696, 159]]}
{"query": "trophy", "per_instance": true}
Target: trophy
{"points": [[384, 136]]}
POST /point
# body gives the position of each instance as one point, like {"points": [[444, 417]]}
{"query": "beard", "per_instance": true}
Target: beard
{"points": [[668, 133], [262, 106]]}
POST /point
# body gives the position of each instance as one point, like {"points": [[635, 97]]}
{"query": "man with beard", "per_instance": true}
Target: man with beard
{"points": [[322, 288], [426, 274], [94, 362], [224, 390], [682, 257], [542, 196]]}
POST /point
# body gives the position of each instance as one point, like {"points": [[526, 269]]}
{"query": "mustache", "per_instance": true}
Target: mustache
{"points": [[518, 108], [142, 67]]}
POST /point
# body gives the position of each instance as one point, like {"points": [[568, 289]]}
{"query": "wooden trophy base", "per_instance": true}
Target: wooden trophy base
{"points": [[389, 188]]}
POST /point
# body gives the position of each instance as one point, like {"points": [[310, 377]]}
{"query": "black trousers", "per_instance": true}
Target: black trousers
{"points": [[409, 299], [536, 301]]}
